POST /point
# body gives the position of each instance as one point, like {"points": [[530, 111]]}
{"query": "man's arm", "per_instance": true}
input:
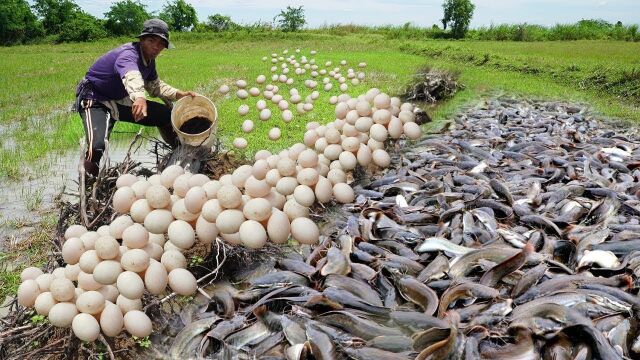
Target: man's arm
{"points": [[134, 84], [166, 92]]}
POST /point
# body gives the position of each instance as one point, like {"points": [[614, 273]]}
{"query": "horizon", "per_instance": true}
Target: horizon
{"points": [[424, 13]]}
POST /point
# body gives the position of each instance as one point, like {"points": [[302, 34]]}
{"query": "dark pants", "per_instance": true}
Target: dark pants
{"points": [[98, 123]]}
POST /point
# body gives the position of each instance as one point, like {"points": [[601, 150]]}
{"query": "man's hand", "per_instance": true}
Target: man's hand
{"points": [[139, 109], [180, 94]]}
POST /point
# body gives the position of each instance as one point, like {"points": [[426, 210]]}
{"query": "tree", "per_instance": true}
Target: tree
{"points": [[54, 13], [81, 26], [219, 22], [457, 15], [291, 19], [126, 17], [179, 15], [18, 23]]}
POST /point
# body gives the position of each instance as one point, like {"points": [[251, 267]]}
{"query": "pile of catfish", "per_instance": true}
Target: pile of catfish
{"points": [[513, 235]]}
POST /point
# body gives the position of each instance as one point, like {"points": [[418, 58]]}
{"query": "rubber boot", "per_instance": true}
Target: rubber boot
{"points": [[91, 168], [169, 136]]}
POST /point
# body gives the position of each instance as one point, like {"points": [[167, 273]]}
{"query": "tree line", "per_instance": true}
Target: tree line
{"points": [[64, 21]]}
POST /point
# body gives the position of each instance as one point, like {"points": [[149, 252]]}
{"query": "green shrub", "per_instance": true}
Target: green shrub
{"points": [[81, 27], [126, 17], [17, 23]]}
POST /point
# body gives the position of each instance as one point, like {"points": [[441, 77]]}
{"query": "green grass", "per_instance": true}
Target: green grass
{"points": [[34, 250], [38, 81]]}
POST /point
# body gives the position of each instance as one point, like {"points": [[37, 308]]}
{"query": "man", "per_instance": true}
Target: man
{"points": [[114, 90]]}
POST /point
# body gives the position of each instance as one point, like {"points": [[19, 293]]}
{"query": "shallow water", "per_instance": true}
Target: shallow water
{"points": [[26, 202]]}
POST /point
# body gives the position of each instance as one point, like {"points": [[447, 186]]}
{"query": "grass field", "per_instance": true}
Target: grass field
{"points": [[38, 81]]}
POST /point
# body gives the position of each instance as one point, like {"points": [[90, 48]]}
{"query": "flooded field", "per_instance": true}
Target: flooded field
{"points": [[25, 203]]}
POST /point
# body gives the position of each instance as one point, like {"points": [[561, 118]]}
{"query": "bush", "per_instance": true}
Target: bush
{"points": [[55, 13], [81, 27], [219, 22], [179, 15], [457, 14], [17, 23], [291, 19], [126, 17]]}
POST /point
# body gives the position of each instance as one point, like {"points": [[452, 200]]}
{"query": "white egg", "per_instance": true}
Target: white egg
{"points": [[243, 109], [304, 195], [107, 247], [130, 285], [412, 130], [139, 211], [111, 320], [337, 176], [347, 160], [88, 261], [90, 302], [71, 271], [194, 199], [182, 282], [158, 221], [223, 89], [173, 259], [265, 114], [308, 177], [72, 249], [135, 236], [136, 260], [229, 196], [156, 278], [305, 231], [378, 132], [181, 234], [62, 314], [126, 180], [295, 210], [252, 234], [229, 221], [247, 126], [44, 302], [242, 94], [107, 272], [274, 134], [286, 185], [206, 231], [125, 304], [123, 198], [406, 116], [87, 282], [381, 158], [382, 116], [30, 273], [395, 128], [74, 231], [258, 209], [110, 293], [28, 291], [138, 323], [119, 224], [240, 143]]}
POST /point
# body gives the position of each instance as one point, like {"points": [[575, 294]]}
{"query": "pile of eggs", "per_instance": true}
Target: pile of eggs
{"points": [[285, 69], [108, 270]]}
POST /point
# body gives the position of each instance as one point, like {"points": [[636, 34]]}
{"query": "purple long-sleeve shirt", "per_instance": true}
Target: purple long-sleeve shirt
{"points": [[106, 74]]}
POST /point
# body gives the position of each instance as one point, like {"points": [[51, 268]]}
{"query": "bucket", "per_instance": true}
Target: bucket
{"points": [[194, 119]]}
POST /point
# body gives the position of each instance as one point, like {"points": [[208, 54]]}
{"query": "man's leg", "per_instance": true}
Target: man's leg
{"points": [[95, 120], [158, 115]]}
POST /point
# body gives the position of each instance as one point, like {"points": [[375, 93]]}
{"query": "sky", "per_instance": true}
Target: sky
{"points": [[397, 12]]}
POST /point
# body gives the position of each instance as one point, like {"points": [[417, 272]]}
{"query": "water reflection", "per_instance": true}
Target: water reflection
{"points": [[24, 203]]}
